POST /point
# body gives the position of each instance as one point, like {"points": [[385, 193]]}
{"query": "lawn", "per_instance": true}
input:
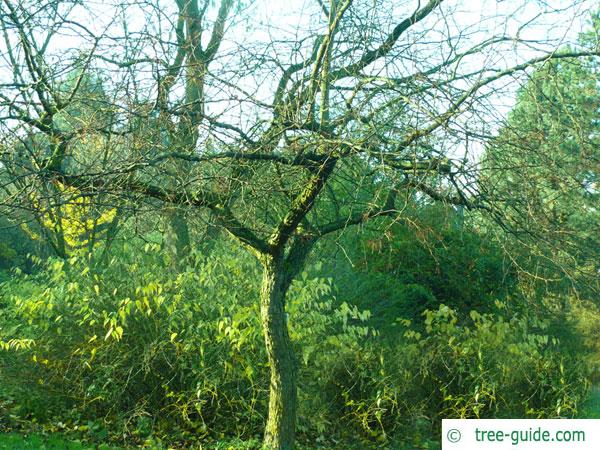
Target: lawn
{"points": [[15, 441]]}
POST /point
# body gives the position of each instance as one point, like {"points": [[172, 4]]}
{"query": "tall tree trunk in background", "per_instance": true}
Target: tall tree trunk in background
{"points": [[281, 421], [178, 238], [194, 59]]}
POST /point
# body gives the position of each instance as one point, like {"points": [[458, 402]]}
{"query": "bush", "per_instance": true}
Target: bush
{"points": [[489, 366], [142, 352], [137, 352]]}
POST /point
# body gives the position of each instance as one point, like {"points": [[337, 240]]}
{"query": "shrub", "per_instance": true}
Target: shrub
{"points": [[494, 365], [136, 351]]}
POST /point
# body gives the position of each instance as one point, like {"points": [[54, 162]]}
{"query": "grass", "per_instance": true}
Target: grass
{"points": [[13, 441]]}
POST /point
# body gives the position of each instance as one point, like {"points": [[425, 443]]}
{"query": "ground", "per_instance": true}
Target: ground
{"points": [[14, 441]]}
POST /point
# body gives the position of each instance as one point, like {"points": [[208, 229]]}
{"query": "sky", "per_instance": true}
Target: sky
{"points": [[544, 24]]}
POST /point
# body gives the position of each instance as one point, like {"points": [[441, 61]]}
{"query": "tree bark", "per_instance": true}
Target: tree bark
{"points": [[179, 235], [281, 421]]}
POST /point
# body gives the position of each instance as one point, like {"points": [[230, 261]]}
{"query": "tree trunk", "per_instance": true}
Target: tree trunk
{"points": [[178, 239], [281, 421]]}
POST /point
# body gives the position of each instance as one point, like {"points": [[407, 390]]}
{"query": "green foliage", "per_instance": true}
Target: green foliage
{"points": [[549, 183], [40, 442], [135, 350], [7, 255], [493, 365], [15, 244], [431, 257], [128, 351], [591, 408]]}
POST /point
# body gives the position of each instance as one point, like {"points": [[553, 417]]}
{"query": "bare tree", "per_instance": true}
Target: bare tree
{"points": [[284, 132]]}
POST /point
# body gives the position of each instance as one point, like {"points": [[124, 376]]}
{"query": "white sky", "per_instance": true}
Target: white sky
{"points": [[547, 24]]}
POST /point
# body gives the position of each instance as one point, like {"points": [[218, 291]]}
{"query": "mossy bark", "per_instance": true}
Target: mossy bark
{"points": [[281, 421]]}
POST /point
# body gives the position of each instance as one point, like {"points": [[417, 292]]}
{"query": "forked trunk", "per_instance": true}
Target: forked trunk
{"points": [[281, 421]]}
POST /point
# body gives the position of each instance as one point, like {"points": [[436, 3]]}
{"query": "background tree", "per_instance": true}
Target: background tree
{"points": [[542, 170]]}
